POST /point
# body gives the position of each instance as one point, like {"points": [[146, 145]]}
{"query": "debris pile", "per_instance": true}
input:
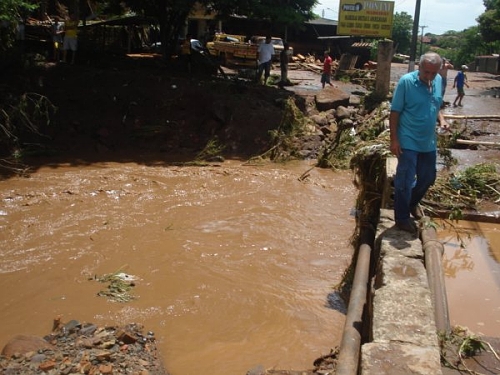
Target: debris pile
{"points": [[83, 348]]}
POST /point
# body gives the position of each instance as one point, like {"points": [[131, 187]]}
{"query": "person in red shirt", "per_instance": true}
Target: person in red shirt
{"points": [[327, 70]]}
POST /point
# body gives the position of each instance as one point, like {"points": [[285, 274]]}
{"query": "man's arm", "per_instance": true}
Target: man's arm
{"points": [[442, 121], [393, 127]]}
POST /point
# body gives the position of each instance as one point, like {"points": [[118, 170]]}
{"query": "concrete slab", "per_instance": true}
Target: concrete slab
{"points": [[399, 359], [404, 313], [399, 269]]}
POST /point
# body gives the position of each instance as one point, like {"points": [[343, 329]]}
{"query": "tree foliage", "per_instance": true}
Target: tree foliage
{"points": [[462, 47], [287, 12], [489, 21], [401, 32], [11, 13], [172, 15], [12, 10]]}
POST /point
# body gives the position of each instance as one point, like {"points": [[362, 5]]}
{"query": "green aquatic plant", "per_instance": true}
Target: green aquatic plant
{"points": [[119, 288]]}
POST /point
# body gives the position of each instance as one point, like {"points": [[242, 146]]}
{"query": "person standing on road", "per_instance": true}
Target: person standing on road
{"points": [[459, 82], [443, 72], [57, 29], [70, 41], [284, 59], [265, 59], [415, 109], [326, 75]]}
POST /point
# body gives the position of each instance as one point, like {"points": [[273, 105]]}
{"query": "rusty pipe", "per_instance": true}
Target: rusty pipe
{"points": [[350, 346], [433, 251]]}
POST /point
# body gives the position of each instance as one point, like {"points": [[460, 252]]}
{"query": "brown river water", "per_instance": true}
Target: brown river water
{"points": [[236, 264]]}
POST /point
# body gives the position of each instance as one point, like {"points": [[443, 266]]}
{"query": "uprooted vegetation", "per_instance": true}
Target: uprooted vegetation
{"points": [[464, 190], [22, 120], [459, 346]]}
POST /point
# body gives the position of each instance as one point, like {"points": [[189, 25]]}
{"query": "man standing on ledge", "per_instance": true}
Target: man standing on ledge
{"points": [[415, 109]]}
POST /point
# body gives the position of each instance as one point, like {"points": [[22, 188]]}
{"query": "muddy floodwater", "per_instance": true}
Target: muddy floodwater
{"points": [[236, 265], [471, 264]]}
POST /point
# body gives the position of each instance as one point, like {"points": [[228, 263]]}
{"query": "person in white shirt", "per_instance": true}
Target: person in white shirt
{"points": [[266, 52]]}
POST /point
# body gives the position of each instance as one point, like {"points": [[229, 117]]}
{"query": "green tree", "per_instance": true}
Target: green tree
{"points": [[172, 14], [462, 47], [11, 13], [401, 32], [489, 21], [287, 12]]}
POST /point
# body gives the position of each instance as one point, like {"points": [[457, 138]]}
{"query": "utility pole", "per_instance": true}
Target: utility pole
{"points": [[422, 38], [414, 36]]}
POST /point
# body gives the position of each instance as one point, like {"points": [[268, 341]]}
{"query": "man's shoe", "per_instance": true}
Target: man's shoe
{"points": [[407, 226], [416, 212]]}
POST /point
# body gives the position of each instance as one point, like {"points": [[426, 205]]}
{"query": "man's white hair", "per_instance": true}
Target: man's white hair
{"points": [[431, 58]]}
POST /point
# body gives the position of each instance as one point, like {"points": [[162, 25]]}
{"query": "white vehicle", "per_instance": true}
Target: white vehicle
{"points": [[276, 42]]}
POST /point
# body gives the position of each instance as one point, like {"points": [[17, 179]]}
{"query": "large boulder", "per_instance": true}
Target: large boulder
{"points": [[331, 98], [22, 344]]}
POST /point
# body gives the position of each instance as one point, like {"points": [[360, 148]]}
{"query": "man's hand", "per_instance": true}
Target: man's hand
{"points": [[443, 129], [395, 147]]}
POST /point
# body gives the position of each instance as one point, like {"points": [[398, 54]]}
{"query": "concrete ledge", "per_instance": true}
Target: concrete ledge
{"points": [[404, 315], [399, 359], [404, 337]]}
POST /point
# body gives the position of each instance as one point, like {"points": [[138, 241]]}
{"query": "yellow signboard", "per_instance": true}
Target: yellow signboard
{"points": [[366, 18]]}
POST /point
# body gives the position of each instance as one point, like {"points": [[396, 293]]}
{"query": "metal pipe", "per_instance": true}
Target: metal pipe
{"points": [[433, 251], [350, 346]]}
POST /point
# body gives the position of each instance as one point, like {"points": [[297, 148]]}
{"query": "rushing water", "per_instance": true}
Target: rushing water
{"points": [[236, 264]]}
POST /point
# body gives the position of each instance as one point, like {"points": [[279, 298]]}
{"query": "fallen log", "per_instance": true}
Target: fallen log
{"points": [[467, 117], [483, 143], [482, 217]]}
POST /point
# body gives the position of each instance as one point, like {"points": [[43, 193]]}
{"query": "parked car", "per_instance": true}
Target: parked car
{"points": [[196, 46], [223, 38], [232, 48]]}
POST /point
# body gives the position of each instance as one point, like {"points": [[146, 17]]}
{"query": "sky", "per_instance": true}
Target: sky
{"points": [[439, 16]]}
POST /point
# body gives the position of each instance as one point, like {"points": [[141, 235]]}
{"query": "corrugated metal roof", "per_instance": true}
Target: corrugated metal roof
{"points": [[362, 45], [333, 37], [323, 21]]}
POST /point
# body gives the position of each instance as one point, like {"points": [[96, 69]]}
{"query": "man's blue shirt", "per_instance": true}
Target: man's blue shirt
{"points": [[460, 80], [418, 107]]}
